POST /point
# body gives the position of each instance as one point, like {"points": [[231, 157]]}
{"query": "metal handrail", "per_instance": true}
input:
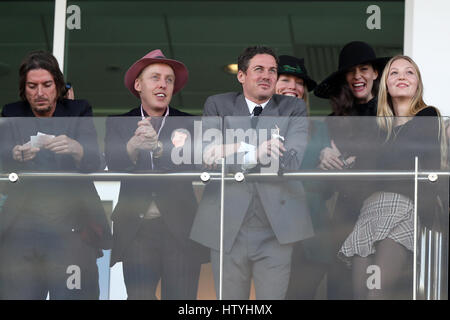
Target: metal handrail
{"points": [[373, 175], [425, 288]]}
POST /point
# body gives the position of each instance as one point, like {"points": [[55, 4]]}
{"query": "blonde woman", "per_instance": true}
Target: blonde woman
{"points": [[293, 79], [383, 235], [311, 257]]}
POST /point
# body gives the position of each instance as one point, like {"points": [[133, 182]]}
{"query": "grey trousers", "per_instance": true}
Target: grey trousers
{"points": [[256, 254]]}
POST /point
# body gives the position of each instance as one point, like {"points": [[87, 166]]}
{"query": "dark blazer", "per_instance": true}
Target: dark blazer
{"points": [[78, 199], [284, 202], [175, 199]]}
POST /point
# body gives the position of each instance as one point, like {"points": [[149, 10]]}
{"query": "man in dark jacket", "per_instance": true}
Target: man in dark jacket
{"points": [[153, 217], [51, 230]]}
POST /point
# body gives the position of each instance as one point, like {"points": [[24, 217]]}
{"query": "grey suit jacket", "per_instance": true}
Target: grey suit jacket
{"points": [[284, 201]]}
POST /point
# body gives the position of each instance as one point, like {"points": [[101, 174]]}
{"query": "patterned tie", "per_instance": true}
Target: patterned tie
{"points": [[256, 112]]}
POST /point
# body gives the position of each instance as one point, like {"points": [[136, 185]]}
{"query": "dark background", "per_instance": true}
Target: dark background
{"points": [[205, 35]]}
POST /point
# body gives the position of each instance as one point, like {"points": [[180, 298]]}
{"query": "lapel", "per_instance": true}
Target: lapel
{"points": [[271, 109], [239, 118], [241, 107], [24, 125], [269, 117], [65, 125], [128, 122], [136, 112], [26, 110], [60, 110]]}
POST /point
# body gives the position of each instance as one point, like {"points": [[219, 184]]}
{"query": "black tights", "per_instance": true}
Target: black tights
{"points": [[395, 265]]}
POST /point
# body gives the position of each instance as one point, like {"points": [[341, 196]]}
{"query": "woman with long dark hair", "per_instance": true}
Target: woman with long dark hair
{"points": [[352, 91]]}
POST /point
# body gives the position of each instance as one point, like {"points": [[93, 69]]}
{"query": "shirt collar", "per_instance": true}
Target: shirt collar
{"points": [[145, 115], [251, 105]]}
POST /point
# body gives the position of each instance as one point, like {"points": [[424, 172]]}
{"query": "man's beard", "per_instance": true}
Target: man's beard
{"points": [[42, 110]]}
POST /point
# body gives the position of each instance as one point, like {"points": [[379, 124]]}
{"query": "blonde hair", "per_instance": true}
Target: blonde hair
{"points": [[305, 92], [385, 109]]}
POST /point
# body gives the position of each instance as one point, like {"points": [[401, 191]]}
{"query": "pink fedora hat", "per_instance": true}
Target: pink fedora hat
{"points": [[156, 56]]}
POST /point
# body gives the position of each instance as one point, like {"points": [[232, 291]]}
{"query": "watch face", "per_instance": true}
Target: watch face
{"points": [[157, 152]]}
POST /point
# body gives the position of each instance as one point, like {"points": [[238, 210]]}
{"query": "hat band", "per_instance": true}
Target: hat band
{"points": [[288, 68]]}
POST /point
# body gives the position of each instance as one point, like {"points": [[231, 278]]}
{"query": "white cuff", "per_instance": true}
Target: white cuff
{"points": [[249, 159]]}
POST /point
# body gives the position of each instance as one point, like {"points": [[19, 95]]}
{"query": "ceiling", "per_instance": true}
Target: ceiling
{"points": [[204, 35]]}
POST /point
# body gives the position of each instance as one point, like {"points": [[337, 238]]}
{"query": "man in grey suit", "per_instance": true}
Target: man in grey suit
{"points": [[262, 220]]}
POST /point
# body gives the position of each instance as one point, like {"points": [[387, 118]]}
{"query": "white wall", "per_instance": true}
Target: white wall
{"points": [[427, 41], [112, 284], [59, 32]]}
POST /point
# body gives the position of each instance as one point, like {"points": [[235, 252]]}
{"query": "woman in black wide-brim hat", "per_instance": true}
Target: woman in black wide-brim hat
{"points": [[352, 91], [310, 257], [356, 80]]}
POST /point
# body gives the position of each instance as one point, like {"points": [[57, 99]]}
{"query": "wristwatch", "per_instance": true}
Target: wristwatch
{"points": [[158, 151]]}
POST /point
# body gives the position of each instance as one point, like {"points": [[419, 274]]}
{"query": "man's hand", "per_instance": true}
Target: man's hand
{"points": [[145, 138], [64, 145], [270, 148], [213, 153], [331, 159], [24, 152]]}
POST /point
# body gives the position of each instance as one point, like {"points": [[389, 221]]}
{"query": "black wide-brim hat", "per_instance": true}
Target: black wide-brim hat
{"points": [[295, 66], [352, 54]]}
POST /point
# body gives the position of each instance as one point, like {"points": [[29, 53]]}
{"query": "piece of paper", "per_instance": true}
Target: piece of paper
{"points": [[41, 139]]}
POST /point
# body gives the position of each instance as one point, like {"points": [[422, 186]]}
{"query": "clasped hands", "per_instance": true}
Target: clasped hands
{"points": [[144, 138], [59, 145], [332, 159], [270, 148]]}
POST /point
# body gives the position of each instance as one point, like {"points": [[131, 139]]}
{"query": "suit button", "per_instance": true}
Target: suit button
{"points": [[141, 216], [283, 202]]}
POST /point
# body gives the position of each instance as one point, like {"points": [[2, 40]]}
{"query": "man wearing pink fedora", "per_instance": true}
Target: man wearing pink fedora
{"points": [[151, 229]]}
